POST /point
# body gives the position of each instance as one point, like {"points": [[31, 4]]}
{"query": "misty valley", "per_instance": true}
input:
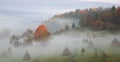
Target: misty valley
{"points": [[82, 35], [73, 46]]}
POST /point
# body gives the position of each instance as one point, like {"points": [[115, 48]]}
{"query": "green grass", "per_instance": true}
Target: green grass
{"points": [[88, 56], [78, 58]]}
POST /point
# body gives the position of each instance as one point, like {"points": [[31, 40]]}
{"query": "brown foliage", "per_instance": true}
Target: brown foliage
{"points": [[118, 11], [41, 33]]}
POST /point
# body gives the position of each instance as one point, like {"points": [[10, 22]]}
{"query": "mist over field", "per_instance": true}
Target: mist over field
{"points": [[57, 43], [68, 31]]}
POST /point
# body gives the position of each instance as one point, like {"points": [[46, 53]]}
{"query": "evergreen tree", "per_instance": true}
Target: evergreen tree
{"points": [[67, 28], [73, 25], [113, 8]]}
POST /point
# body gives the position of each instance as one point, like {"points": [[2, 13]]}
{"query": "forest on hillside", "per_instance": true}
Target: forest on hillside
{"points": [[95, 18]]}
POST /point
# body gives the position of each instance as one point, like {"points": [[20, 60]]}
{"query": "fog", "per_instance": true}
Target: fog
{"points": [[56, 24], [57, 43], [74, 40]]}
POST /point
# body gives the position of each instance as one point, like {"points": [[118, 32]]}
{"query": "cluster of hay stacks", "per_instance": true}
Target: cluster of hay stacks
{"points": [[6, 53]]}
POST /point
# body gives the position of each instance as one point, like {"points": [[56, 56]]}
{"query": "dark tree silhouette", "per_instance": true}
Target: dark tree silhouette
{"points": [[113, 8], [73, 26]]}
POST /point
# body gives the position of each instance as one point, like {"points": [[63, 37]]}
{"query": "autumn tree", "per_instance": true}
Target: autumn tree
{"points": [[41, 33], [98, 24], [118, 11]]}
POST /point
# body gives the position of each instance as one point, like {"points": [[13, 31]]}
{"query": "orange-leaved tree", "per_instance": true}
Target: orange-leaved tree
{"points": [[41, 33]]}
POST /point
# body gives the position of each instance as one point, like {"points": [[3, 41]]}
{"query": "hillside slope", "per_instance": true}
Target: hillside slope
{"points": [[93, 18]]}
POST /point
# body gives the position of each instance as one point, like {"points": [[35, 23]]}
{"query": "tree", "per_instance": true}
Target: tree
{"points": [[118, 11], [73, 25], [82, 54], [15, 40], [82, 21], [67, 28], [98, 24], [113, 8], [41, 33], [27, 36]]}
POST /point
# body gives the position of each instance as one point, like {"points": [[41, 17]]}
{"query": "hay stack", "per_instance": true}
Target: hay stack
{"points": [[66, 52], [27, 56]]}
